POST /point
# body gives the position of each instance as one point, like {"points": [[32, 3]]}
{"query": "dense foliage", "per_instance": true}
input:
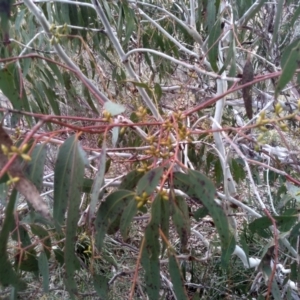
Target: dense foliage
{"points": [[149, 149]]}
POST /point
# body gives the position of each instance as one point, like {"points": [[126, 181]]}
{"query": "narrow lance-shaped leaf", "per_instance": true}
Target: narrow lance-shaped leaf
{"points": [[101, 285], [150, 252], [109, 210], [265, 267], [278, 18], [158, 91], [180, 217], [44, 270], [295, 17], [115, 135], [201, 189], [176, 277], [127, 216], [64, 173], [210, 15], [72, 182], [130, 21], [164, 220], [253, 12], [130, 181], [44, 235], [149, 181], [7, 274], [98, 182], [5, 9], [35, 168], [10, 87], [213, 44], [20, 234], [290, 61]]}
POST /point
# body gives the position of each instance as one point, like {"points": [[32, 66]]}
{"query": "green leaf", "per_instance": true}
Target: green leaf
{"points": [[266, 268], [202, 190], [26, 65], [36, 217], [115, 135], [200, 213], [287, 220], [27, 261], [176, 277], [19, 19], [4, 188], [98, 183], [180, 217], [150, 253], [284, 223], [59, 256], [243, 6], [56, 72], [43, 234], [253, 12], [157, 91], [89, 100], [21, 234], [109, 210], [64, 12], [44, 270], [164, 219], [130, 180], [120, 21], [149, 181], [87, 185], [127, 216], [67, 174], [237, 169], [5, 12], [261, 227], [84, 157], [35, 168], [289, 63], [52, 98], [108, 11], [49, 79], [7, 274], [275, 290], [74, 181], [213, 43], [230, 56], [295, 17], [210, 15], [218, 172], [101, 285], [10, 87], [130, 22], [278, 20], [295, 232], [68, 179], [114, 108], [74, 18]]}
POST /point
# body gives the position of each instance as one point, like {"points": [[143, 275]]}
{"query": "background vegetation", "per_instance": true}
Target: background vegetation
{"points": [[149, 149]]}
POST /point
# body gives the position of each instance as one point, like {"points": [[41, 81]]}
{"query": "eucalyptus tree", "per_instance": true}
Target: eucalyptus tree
{"points": [[127, 126]]}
